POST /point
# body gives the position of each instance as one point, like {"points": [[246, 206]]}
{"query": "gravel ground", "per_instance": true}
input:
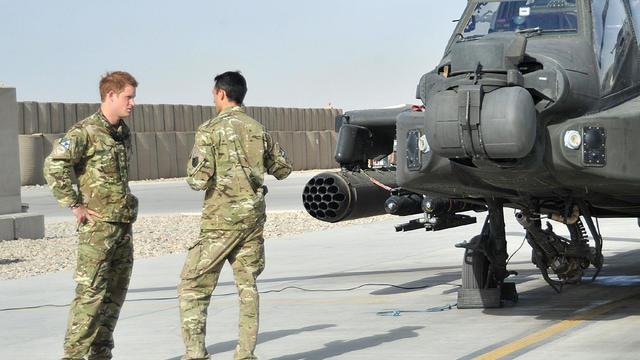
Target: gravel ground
{"points": [[152, 236]]}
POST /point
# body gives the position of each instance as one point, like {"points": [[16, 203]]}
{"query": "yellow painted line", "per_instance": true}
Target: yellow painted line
{"points": [[552, 330]]}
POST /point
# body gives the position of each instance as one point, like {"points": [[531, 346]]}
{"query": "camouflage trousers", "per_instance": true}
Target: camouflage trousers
{"points": [[105, 260], [244, 250]]}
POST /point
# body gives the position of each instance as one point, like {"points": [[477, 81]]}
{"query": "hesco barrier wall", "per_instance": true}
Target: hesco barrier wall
{"points": [[163, 135]]}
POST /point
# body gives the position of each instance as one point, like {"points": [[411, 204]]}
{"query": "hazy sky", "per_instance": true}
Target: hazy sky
{"points": [[353, 53]]}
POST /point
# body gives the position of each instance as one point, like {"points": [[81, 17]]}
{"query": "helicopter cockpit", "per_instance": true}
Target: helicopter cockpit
{"points": [[525, 16]]}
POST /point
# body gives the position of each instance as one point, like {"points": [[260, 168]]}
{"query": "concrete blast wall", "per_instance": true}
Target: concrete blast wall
{"points": [[163, 135], [55, 118], [13, 222], [9, 176]]}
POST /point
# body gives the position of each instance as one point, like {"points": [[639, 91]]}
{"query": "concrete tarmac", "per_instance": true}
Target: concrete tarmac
{"points": [[329, 295]]}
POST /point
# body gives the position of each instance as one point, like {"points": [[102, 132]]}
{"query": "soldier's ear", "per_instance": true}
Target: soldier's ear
{"points": [[222, 94], [111, 96]]}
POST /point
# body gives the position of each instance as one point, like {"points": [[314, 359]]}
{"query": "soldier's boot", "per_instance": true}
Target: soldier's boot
{"points": [[98, 357], [236, 356], [74, 356], [208, 357]]}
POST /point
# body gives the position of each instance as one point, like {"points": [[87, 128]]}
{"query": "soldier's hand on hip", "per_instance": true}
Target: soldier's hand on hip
{"points": [[83, 214]]}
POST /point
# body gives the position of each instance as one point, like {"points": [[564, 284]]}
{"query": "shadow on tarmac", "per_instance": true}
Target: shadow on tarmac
{"points": [[262, 338], [340, 347]]}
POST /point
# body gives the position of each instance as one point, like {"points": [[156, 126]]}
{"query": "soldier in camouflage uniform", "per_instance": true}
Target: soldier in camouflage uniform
{"points": [[97, 150], [229, 159]]}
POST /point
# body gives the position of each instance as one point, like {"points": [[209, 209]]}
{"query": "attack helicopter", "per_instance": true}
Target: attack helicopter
{"points": [[534, 106]]}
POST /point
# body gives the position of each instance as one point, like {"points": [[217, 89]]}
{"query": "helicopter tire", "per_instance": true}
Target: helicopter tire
{"points": [[475, 267], [476, 291]]}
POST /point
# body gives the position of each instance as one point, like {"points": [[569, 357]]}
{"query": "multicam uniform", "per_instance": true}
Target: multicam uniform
{"points": [[229, 159], [98, 153]]}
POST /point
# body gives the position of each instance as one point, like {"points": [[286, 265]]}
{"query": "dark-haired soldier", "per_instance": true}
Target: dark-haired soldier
{"points": [[229, 159], [97, 149]]}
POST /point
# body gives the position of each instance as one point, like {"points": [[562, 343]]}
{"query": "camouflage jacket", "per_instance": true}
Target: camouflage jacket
{"points": [[98, 154], [229, 158]]}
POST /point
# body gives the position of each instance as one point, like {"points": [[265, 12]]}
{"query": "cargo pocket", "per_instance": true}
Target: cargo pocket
{"points": [[90, 263], [194, 258]]}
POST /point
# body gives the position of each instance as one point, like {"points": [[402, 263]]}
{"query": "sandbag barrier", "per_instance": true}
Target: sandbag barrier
{"points": [[54, 118], [163, 135]]}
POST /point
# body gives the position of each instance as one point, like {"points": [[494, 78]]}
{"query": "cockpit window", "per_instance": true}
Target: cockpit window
{"points": [[634, 6], [612, 36], [525, 16]]}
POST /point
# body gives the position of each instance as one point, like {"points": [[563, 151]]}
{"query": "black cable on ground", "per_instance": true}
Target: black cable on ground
{"points": [[234, 293]]}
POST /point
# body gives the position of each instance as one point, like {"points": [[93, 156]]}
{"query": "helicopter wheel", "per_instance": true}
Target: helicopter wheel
{"points": [[478, 286]]}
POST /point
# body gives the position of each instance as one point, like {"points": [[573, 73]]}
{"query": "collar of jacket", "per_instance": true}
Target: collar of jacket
{"points": [[232, 109], [117, 132], [106, 123]]}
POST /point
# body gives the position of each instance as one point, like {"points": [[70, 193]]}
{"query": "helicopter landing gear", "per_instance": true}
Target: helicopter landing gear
{"points": [[484, 265], [567, 258]]}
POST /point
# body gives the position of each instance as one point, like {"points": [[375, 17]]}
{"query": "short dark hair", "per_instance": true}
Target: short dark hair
{"points": [[234, 84]]}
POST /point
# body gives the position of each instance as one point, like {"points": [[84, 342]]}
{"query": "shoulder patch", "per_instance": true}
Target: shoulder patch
{"points": [[65, 143], [194, 159], [282, 153]]}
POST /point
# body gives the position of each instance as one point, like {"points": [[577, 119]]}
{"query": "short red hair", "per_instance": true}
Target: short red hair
{"points": [[116, 81]]}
